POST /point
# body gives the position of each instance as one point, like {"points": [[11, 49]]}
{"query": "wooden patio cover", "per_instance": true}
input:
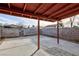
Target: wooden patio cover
{"points": [[42, 11]]}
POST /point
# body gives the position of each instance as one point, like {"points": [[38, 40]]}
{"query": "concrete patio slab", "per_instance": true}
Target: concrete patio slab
{"points": [[25, 46]]}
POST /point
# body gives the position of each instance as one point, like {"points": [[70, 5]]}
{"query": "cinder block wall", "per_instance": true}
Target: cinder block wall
{"points": [[15, 32], [30, 31], [50, 31], [65, 33], [10, 32], [70, 34]]}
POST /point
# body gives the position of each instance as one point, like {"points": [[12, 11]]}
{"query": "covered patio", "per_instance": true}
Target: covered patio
{"points": [[47, 12]]}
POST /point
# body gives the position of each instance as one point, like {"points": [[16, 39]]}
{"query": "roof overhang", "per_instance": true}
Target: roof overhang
{"points": [[43, 11]]}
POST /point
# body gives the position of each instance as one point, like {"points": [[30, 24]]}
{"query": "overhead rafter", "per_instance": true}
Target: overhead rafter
{"points": [[48, 9], [48, 12], [62, 10], [37, 8], [9, 5], [25, 13], [40, 6], [69, 12], [24, 7], [55, 8], [69, 15]]}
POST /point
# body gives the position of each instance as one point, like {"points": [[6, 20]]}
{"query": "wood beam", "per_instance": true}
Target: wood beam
{"points": [[70, 11], [45, 7], [9, 5], [56, 8], [2, 9], [68, 6], [40, 6], [57, 11], [70, 15], [48, 9], [24, 7]]}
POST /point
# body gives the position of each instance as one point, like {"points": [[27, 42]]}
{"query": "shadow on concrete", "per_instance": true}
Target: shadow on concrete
{"points": [[34, 52]]}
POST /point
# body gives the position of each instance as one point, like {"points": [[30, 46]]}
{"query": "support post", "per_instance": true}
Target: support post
{"points": [[38, 34], [57, 32], [38, 41]]}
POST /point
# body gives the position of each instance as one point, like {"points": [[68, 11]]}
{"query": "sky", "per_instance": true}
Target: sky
{"points": [[14, 20], [67, 22], [8, 19]]}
